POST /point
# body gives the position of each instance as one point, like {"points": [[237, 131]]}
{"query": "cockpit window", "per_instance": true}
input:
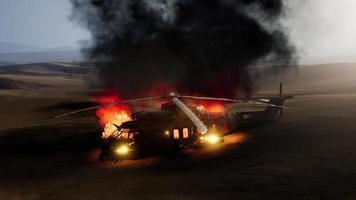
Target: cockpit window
{"points": [[125, 133]]}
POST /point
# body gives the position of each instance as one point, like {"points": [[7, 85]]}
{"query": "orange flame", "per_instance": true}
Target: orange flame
{"points": [[109, 116], [211, 107]]}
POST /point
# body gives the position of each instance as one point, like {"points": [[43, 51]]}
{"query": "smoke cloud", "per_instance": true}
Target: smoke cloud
{"points": [[197, 46]]}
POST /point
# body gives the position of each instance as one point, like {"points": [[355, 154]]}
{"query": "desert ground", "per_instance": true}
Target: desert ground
{"points": [[309, 153]]}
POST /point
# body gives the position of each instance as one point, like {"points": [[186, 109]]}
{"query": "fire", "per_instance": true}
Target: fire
{"points": [[109, 116], [211, 107]]}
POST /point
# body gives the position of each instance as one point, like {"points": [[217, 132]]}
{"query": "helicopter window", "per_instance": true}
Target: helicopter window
{"points": [[176, 134], [185, 133], [125, 133]]}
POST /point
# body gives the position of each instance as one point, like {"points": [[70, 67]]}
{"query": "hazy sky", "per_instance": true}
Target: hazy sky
{"points": [[317, 27], [42, 23], [323, 27]]}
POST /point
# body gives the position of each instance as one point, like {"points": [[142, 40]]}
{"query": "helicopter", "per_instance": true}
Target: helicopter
{"points": [[177, 126]]}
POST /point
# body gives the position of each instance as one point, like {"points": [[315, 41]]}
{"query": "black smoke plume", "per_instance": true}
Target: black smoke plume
{"points": [[196, 46]]}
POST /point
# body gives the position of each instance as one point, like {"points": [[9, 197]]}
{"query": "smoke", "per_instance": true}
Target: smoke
{"points": [[200, 46]]}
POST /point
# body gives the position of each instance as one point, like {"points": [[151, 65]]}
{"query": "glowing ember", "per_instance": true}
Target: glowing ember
{"points": [[109, 116]]}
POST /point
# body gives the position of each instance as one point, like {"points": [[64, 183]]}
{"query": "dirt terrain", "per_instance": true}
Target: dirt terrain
{"points": [[309, 153]]}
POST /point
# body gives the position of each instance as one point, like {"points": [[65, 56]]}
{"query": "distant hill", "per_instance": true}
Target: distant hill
{"points": [[7, 47], [327, 59], [2, 63], [46, 69], [9, 84], [36, 57], [37, 76], [13, 53], [311, 79]]}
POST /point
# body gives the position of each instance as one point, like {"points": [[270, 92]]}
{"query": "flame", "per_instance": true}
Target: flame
{"points": [[109, 116], [201, 108], [211, 107]]}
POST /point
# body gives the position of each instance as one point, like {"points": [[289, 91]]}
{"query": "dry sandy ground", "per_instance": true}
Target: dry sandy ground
{"points": [[310, 153]]}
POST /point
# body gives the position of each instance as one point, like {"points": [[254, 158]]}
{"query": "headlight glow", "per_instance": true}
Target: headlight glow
{"points": [[166, 133], [122, 150], [210, 138]]}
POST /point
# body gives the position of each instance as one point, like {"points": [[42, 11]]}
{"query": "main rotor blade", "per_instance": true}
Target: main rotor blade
{"points": [[107, 105], [202, 129], [250, 100], [210, 98], [263, 101]]}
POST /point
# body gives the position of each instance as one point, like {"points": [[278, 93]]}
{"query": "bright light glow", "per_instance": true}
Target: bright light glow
{"points": [[201, 108], [122, 150], [176, 134], [166, 133], [211, 138]]}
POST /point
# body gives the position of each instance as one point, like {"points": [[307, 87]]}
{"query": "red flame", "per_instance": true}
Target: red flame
{"points": [[211, 107], [110, 115]]}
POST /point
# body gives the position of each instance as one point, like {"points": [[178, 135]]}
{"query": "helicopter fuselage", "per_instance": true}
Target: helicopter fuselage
{"points": [[169, 130]]}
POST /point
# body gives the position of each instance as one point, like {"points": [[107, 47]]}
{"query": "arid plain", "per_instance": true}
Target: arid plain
{"points": [[309, 153]]}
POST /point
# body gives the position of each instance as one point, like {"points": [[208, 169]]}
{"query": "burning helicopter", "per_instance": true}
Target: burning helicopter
{"points": [[177, 125]]}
